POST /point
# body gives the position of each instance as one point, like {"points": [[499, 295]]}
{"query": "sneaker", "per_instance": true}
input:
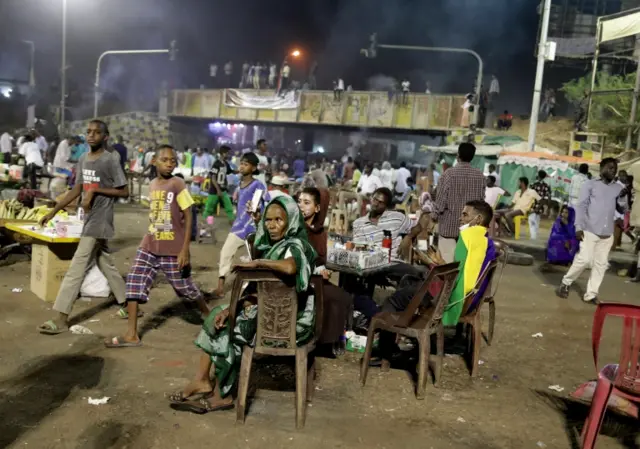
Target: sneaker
{"points": [[593, 301], [562, 291]]}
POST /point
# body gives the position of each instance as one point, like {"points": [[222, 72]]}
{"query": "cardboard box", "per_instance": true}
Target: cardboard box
{"points": [[49, 264]]}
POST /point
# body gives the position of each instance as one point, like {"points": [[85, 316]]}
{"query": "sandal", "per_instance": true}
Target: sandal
{"points": [[51, 328], [179, 396], [200, 407], [122, 313], [119, 342]]}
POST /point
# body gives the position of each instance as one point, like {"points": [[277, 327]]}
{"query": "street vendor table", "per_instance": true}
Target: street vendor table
{"points": [[50, 259]]}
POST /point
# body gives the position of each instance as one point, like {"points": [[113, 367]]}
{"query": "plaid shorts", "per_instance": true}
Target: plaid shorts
{"points": [[144, 270]]}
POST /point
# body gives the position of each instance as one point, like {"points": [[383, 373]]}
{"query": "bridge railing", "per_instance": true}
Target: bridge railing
{"points": [[356, 108]]}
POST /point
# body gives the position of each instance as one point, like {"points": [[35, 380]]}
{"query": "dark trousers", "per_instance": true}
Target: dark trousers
{"points": [[31, 171], [6, 158]]}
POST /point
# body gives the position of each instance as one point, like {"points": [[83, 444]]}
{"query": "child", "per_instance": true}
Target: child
{"points": [[243, 224], [218, 190], [101, 181], [165, 247]]}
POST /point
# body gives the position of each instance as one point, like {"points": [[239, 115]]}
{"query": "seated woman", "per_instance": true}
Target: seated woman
{"points": [[314, 205], [281, 240], [563, 244]]}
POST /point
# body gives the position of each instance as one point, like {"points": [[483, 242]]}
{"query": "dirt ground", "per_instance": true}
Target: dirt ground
{"points": [[45, 382]]}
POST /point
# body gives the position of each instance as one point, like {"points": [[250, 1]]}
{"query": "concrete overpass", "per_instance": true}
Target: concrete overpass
{"points": [[360, 109]]}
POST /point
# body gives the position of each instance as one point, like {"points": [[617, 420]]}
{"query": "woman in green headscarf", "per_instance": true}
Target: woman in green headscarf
{"points": [[281, 240]]}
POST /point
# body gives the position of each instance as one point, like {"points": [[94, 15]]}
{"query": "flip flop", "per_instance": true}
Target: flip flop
{"points": [[122, 313], [51, 328], [179, 397], [199, 407], [119, 342]]}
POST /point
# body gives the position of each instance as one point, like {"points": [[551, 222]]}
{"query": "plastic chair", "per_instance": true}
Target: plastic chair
{"points": [[471, 314], [276, 334], [418, 324], [517, 221], [627, 381], [502, 259]]}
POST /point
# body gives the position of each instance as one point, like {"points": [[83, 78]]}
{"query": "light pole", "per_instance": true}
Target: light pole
{"points": [[172, 51], [63, 75], [31, 109], [537, 88], [371, 53]]}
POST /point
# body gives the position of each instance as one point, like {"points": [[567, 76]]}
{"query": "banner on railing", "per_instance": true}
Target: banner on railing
{"points": [[238, 99]]}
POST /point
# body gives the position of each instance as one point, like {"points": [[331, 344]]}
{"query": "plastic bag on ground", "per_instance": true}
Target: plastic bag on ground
{"points": [[95, 285]]}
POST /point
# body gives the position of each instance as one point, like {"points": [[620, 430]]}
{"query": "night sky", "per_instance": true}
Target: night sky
{"points": [[329, 31]]}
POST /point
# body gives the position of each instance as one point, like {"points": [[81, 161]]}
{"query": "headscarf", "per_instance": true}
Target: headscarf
{"points": [[295, 241], [565, 231]]}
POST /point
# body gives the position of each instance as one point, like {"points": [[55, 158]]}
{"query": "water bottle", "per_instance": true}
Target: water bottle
{"points": [[80, 214]]}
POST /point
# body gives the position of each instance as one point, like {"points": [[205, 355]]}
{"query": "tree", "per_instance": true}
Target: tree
{"points": [[609, 113]]}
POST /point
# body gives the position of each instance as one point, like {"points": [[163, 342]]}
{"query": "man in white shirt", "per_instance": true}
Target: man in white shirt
{"points": [[492, 172], [406, 88], [523, 201], [6, 145], [492, 192], [263, 160], [63, 153], [338, 89], [367, 184], [402, 174], [33, 159], [272, 75], [577, 180], [42, 142]]}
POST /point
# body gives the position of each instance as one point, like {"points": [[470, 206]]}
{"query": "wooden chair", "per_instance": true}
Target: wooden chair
{"points": [[420, 324], [503, 255], [276, 333], [405, 206], [471, 314], [248, 243]]}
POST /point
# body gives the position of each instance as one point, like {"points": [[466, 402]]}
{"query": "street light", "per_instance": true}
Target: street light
{"points": [[295, 53], [31, 109], [172, 50]]}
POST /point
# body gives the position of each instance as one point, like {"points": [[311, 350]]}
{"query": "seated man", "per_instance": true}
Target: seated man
{"points": [[505, 121], [523, 200], [474, 251], [367, 185]]}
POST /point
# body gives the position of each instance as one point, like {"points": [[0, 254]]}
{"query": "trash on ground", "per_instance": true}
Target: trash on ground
{"points": [[557, 388], [93, 321], [16, 290], [447, 397], [99, 401], [538, 335], [480, 362], [541, 444], [461, 419], [80, 330]]}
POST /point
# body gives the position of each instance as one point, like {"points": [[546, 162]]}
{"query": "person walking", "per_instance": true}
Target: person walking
{"points": [[595, 214], [458, 185], [101, 181]]}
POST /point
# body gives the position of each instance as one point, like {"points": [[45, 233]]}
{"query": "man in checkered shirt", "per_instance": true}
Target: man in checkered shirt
{"points": [[458, 185]]}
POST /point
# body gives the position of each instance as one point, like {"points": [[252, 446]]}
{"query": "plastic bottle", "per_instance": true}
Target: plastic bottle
{"points": [[387, 242], [80, 214]]}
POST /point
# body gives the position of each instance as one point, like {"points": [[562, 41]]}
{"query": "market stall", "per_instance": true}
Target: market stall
{"points": [[513, 165], [50, 258]]}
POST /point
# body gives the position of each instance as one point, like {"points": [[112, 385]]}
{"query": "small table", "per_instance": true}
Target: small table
{"points": [[50, 259]]}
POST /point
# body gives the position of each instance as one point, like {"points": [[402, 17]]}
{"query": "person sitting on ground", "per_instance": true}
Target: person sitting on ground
{"points": [[563, 243], [282, 242], [314, 205], [523, 201], [165, 247], [505, 121], [474, 251]]}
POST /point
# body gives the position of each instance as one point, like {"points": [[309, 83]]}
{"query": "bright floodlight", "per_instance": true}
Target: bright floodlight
{"points": [[295, 53]]}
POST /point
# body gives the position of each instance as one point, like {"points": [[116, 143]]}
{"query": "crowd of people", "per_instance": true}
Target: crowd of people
{"points": [[283, 201]]}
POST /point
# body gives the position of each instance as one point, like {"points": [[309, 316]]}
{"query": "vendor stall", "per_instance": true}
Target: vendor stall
{"points": [[50, 258]]}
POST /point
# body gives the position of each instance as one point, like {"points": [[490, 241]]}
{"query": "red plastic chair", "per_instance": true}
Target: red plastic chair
{"points": [[627, 381]]}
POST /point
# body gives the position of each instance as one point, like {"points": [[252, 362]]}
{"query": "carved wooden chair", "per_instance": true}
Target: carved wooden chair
{"points": [[418, 323], [471, 316], [276, 333]]}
